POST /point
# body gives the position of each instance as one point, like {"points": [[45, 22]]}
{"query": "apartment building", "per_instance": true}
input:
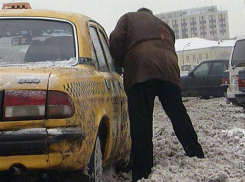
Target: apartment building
{"points": [[206, 22]]}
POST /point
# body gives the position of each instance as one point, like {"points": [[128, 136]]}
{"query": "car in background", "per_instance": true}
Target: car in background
{"points": [[63, 106], [236, 87], [205, 80], [184, 73]]}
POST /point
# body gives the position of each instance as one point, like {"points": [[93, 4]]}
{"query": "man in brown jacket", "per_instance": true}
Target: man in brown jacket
{"points": [[144, 46]]}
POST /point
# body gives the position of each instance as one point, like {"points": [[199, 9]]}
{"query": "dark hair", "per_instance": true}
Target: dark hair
{"points": [[145, 10]]}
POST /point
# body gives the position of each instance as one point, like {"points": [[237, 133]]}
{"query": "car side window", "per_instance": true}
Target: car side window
{"points": [[94, 56], [99, 54], [107, 52], [218, 68], [202, 70]]}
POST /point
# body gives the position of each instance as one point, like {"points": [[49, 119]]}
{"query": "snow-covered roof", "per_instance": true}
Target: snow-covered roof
{"points": [[199, 43]]}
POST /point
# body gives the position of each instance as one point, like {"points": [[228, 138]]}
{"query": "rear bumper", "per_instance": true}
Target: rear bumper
{"points": [[30, 161], [35, 140], [31, 148], [230, 94]]}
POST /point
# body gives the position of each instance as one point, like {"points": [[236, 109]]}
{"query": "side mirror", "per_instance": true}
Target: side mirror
{"points": [[191, 74]]}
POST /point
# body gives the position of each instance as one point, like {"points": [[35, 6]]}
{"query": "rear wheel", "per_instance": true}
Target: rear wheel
{"points": [[235, 103], [125, 164], [95, 165]]}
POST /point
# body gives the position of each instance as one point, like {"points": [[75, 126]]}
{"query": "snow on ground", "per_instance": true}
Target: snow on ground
{"points": [[221, 131]]}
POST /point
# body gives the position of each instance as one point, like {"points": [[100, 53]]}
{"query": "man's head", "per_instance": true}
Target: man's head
{"points": [[145, 10]]}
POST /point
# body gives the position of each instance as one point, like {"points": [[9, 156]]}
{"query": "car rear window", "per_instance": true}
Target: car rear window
{"points": [[36, 41], [238, 56]]}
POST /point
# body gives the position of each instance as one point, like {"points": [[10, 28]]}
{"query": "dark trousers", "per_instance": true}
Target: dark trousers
{"points": [[141, 104]]}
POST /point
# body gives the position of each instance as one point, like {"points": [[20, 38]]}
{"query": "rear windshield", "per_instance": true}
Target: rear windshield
{"points": [[36, 41], [238, 56]]}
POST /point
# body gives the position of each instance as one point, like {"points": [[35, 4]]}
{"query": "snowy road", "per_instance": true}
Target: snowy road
{"points": [[221, 131]]}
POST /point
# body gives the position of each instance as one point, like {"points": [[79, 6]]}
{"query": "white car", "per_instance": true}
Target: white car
{"points": [[235, 92]]}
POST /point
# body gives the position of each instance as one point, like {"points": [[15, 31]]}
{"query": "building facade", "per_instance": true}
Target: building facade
{"points": [[193, 51], [206, 22]]}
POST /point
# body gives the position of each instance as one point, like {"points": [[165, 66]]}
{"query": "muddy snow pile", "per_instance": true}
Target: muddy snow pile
{"points": [[221, 131]]}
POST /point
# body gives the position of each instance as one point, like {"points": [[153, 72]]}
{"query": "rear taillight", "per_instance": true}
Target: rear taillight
{"points": [[225, 81], [59, 105], [24, 104], [225, 78], [241, 84], [241, 81], [33, 104]]}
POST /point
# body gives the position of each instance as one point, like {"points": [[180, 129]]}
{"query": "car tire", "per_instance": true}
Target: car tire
{"points": [[124, 164], [95, 170], [235, 103]]}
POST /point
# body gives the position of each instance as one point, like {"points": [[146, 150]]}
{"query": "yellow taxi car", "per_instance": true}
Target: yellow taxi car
{"points": [[63, 105]]}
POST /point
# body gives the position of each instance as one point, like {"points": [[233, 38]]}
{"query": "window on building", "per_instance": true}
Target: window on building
{"points": [[184, 28], [206, 56], [194, 58], [200, 57], [193, 26]]}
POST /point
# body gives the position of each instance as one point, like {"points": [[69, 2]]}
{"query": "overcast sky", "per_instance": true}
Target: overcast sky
{"points": [[107, 12]]}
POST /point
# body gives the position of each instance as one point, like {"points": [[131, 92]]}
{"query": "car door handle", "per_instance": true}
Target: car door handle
{"points": [[205, 78]]}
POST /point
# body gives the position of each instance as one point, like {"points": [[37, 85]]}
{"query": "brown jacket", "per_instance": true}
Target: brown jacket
{"points": [[144, 46]]}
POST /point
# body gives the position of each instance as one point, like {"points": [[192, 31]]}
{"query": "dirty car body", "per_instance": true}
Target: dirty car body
{"points": [[59, 91]]}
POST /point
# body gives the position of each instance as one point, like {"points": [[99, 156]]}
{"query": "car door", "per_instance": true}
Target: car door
{"points": [[107, 68], [198, 79], [215, 78]]}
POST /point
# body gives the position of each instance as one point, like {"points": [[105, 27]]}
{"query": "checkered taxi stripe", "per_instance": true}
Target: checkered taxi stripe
{"points": [[85, 88]]}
